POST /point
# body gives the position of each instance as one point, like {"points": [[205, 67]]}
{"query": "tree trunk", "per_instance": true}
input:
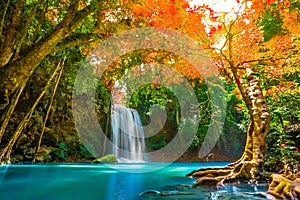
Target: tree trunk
{"points": [[248, 167], [6, 151]]}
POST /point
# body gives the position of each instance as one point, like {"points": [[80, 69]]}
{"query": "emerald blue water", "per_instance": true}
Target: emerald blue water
{"points": [[102, 182]]}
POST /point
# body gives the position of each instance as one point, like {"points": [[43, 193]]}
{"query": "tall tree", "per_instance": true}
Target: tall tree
{"points": [[238, 41], [251, 43]]}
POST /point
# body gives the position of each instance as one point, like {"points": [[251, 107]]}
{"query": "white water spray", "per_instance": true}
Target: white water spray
{"points": [[127, 134]]}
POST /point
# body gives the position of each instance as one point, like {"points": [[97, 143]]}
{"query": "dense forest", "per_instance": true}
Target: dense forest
{"points": [[254, 46]]}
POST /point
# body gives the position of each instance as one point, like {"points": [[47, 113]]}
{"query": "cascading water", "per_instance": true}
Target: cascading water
{"points": [[127, 134]]}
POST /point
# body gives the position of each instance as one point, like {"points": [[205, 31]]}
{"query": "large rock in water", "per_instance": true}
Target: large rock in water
{"points": [[110, 158]]}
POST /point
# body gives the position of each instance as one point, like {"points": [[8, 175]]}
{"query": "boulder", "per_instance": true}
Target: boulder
{"points": [[110, 158]]}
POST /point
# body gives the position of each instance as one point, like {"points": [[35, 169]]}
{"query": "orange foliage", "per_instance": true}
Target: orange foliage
{"points": [[52, 15], [245, 46], [234, 40], [82, 4], [177, 15], [172, 14]]}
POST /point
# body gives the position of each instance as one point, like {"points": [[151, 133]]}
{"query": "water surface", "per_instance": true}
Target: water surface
{"points": [[102, 182]]}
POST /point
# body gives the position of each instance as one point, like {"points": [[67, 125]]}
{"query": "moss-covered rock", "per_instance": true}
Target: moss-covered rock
{"points": [[44, 154], [110, 158], [17, 158]]}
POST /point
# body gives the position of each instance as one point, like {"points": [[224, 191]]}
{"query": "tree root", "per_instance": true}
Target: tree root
{"points": [[240, 170], [285, 186]]}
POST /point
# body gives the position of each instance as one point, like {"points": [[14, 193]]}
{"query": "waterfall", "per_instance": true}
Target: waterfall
{"points": [[127, 134]]}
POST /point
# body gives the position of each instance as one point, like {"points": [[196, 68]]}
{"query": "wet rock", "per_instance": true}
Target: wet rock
{"points": [[28, 157], [261, 194], [18, 158], [187, 192], [213, 195], [29, 153], [149, 192], [39, 158], [296, 186], [110, 158], [164, 193], [43, 154], [175, 192]]}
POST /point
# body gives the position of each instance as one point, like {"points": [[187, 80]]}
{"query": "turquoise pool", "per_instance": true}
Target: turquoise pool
{"points": [[113, 182]]}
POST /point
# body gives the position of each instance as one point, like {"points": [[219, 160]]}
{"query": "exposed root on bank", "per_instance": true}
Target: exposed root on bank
{"points": [[285, 186], [241, 170]]}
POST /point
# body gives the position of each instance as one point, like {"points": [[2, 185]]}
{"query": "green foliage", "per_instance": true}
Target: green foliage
{"points": [[148, 95], [283, 144], [156, 142], [271, 23], [63, 146], [61, 152], [84, 152], [283, 140], [143, 100], [201, 91], [282, 149], [295, 5], [102, 100], [236, 123]]}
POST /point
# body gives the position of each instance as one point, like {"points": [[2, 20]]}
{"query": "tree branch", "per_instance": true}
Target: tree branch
{"points": [[232, 66], [76, 40], [23, 33], [6, 48], [3, 18], [271, 58], [39, 22], [80, 15], [11, 108], [69, 23], [70, 13]]}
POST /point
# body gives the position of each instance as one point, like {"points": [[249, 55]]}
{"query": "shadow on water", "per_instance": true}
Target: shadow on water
{"points": [[101, 182]]}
